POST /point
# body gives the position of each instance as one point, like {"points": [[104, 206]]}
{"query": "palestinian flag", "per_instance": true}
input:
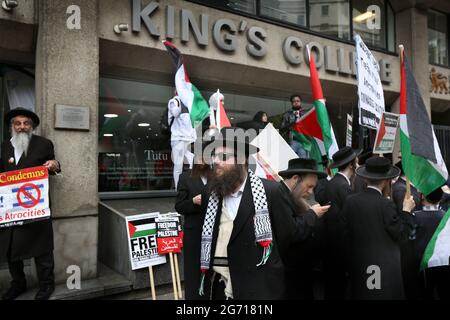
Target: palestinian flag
{"points": [[222, 118], [141, 228], [421, 157], [188, 93], [314, 129], [437, 252]]}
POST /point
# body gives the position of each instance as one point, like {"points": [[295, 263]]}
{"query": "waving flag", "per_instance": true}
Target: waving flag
{"points": [[314, 129], [421, 157], [188, 93], [437, 252], [222, 118]]}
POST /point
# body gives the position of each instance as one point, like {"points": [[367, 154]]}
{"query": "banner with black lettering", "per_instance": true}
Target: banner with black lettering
{"points": [[370, 89], [142, 243]]}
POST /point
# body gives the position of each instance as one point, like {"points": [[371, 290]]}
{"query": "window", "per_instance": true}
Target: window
{"points": [[368, 17], [437, 38], [247, 6], [133, 153], [337, 24], [373, 20], [292, 11]]}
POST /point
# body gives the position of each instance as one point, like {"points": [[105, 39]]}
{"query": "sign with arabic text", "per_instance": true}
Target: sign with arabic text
{"points": [[168, 234]]}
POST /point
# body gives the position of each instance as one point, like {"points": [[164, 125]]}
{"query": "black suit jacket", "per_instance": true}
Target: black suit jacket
{"points": [[36, 238], [336, 192], [188, 188], [375, 230], [266, 282], [409, 270]]}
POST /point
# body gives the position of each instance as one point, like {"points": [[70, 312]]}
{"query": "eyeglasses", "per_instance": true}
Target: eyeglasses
{"points": [[224, 156]]}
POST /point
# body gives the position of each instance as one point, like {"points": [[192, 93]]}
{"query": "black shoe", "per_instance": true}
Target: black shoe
{"points": [[44, 292], [13, 292]]}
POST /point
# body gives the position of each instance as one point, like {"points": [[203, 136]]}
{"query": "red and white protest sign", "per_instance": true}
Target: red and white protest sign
{"points": [[168, 237], [23, 196]]}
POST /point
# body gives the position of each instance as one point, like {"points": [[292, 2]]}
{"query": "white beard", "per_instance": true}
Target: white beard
{"points": [[21, 141]]}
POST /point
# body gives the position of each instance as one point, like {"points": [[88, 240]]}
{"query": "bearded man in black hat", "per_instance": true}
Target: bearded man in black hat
{"points": [[374, 232], [247, 227], [336, 192], [32, 240], [300, 179], [191, 186]]}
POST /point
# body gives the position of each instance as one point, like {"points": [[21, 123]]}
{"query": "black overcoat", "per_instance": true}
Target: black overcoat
{"points": [[375, 231], [188, 188], [31, 239], [266, 282]]}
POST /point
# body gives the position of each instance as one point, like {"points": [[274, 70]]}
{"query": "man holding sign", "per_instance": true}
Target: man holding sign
{"points": [[35, 239]]}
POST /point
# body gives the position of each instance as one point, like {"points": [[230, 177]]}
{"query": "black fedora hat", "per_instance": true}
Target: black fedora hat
{"points": [[378, 168], [22, 112], [302, 166], [232, 137], [344, 156]]}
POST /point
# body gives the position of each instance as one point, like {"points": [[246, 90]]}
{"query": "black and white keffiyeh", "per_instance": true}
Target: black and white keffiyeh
{"points": [[263, 228]]}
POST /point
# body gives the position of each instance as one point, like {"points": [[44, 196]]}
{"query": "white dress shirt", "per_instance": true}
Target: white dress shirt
{"points": [[233, 201], [346, 178], [375, 188]]}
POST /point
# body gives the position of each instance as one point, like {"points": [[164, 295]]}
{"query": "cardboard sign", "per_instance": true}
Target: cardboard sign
{"points": [[370, 89], [168, 234], [385, 140], [24, 196], [142, 244]]}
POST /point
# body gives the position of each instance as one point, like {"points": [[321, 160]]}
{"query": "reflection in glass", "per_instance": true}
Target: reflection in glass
{"points": [[437, 38], [369, 22], [292, 11], [134, 155], [248, 6], [336, 23]]}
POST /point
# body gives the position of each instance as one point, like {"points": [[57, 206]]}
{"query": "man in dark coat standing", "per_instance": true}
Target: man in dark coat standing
{"points": [[247, 228], [191, 186], [336, 192], [35, 239], [374, 231], [300, 179], [427, 221], [409, 272]]}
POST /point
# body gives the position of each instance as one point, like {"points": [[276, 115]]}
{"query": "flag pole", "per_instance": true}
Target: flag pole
{"points": [[177, 274], [152, 282], [408, 183], [212, 115], [174, 280]]}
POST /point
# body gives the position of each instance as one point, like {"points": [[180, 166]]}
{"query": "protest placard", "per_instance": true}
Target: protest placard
{"points": [[387, 130], [24, 196], [370, 89]]}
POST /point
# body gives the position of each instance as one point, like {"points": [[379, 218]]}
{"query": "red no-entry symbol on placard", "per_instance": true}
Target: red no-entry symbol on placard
{"points": [[34, 200]]}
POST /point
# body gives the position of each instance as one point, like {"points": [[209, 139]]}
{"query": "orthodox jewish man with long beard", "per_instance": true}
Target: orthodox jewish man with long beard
{"points": [[247, 227], [35, 239]]}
